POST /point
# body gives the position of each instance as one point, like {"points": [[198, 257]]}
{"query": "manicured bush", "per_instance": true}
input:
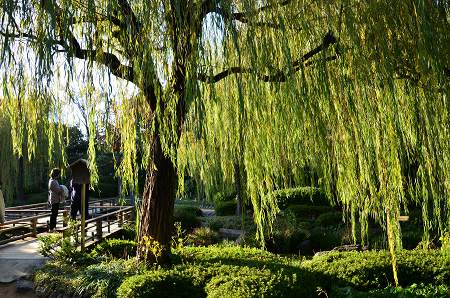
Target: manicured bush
{"points": [[203, 237], [187, 216], [373, 270], [248, 282], [415, 290], [115, 248], [301, 195], [194, 210], [307, 211], [332, 218], [243, 272], [159, 283], [225, 208]]}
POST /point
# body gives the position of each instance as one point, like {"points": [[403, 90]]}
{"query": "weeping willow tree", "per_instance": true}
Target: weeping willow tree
{"points": [[31, 142], [358, 88]]}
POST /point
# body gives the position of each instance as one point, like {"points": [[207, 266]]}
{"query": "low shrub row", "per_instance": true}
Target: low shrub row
{"points": [[224, 208], [231, 271], [301, 195], [373, 270]]}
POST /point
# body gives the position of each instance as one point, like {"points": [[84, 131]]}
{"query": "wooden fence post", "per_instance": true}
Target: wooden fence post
{"points": [[99, 226], [65, 218], [34, 227], [83, 216], [120, 218]]}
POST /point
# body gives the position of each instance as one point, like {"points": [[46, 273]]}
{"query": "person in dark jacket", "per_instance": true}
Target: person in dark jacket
{"points": [[75, 196], [55, 196]]}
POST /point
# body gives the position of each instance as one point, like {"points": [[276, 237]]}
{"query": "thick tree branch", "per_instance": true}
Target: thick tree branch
{"points": [[73, 48], [243, 17], [129, 15], [278, 76]]}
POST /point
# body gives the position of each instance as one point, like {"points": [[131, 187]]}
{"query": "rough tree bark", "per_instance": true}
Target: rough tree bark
{"points": [[157, 205]]}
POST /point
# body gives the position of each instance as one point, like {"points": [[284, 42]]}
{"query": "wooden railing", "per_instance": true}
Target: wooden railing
{"points": [[29, 225], [111, 219], [101, 226]]}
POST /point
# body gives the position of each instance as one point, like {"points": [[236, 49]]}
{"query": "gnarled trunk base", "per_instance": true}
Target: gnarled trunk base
{"points": [[157, 208]]}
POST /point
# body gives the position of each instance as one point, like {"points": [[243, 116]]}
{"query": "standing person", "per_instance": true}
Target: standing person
{"points": [[75, 196], [2, 206], [55, 196]]}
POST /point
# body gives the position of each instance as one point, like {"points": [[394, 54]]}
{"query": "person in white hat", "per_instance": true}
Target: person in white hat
{"points": [[55, 196]]}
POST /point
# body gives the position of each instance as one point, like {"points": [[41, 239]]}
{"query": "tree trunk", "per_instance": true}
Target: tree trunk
{"points": [[238, 186], [157, 207], [21, 180]]}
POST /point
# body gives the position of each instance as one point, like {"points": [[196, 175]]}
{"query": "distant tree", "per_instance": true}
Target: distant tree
{"points": [[77, 146]]}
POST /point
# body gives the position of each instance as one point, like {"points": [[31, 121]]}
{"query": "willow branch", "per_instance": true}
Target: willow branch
{"points": [[243, 17], [279, 76]]}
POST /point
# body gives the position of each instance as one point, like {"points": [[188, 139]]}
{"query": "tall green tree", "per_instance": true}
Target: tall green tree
{"points": [[359, 86]]}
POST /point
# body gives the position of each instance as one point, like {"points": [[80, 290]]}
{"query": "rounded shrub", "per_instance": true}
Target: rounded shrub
{"points": [[159, 283], [225, 208], [332, 218], [248, 282], [203, 237], [373, 270], [306, 195]]}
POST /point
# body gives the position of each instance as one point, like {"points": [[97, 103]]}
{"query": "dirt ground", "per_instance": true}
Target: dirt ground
{"points": [[8, 290]]}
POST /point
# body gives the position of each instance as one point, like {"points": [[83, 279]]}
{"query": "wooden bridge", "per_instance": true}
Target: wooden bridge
{"points": [[18, 243], [106, 217]]}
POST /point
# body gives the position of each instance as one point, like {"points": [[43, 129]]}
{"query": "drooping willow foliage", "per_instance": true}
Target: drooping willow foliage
{"points": [[357, 89], [28, 132]]}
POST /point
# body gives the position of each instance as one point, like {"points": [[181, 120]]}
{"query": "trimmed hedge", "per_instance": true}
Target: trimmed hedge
{"points": [[301, 195], [332, 218], [373, 270], [194, 210], [415, 290], [242, 272], [203, 237], [307, 211], [225, 208], [160, 283]]}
